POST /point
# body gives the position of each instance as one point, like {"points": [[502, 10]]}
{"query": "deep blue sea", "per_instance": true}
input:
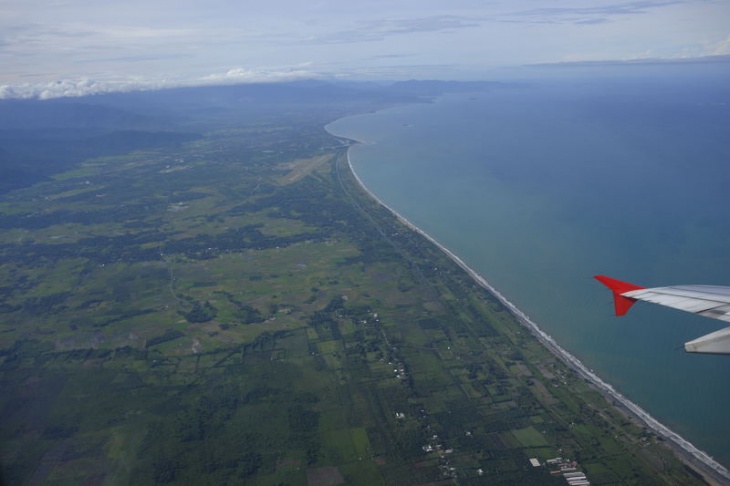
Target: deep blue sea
{"points": [[538, 186]]}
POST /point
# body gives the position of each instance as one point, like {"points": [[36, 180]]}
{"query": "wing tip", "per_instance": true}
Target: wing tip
{"points": [[617, 285], [621, 304]]}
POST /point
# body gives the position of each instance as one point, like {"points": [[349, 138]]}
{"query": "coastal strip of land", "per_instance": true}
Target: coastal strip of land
{"points": [[711, 470]]}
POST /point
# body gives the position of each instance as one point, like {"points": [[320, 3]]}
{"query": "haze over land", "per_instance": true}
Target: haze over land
{"points": [[64, 48]]}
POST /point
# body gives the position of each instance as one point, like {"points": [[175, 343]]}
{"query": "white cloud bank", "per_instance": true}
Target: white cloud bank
{"points": [[86, 87]]}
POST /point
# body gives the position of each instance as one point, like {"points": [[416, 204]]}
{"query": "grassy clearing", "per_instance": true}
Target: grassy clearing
{"points": [[530, 437]]}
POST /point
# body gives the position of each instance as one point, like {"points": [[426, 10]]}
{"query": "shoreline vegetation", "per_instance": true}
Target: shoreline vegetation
{"points": [[685, 450]]}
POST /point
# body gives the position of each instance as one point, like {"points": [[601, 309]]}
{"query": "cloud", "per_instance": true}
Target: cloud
{"points": [[391, 56], [376, 30], [648, 61], [720, 48], [596, 21], [150, 57], [590, 15], [244, 75], [67, 88], [75, 88]]}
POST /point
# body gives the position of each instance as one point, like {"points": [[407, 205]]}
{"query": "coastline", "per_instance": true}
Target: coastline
{"points": [[688, 453]]}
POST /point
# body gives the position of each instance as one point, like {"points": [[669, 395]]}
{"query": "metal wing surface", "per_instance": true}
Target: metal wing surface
{"points": [[706, 300]]}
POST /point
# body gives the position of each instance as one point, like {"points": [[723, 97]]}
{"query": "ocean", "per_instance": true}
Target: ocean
{"points": [[539, 185]]}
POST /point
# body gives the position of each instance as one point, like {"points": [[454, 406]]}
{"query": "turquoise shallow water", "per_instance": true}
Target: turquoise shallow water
{"points": [[540, 187]]}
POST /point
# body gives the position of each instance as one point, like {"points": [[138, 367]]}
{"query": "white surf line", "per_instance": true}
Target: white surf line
{"points": [[553, 346]]}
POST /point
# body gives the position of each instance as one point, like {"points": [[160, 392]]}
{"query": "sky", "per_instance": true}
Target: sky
{"points": [[72, 47]]}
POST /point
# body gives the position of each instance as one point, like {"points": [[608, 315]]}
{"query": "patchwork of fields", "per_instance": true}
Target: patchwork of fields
{"points": [[236, 309]]}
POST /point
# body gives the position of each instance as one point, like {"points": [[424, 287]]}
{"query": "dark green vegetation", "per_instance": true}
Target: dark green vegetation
{"points": [[232, 308]]}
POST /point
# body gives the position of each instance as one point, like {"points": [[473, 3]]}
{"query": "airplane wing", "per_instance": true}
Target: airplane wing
{"points": [[706, 300]]}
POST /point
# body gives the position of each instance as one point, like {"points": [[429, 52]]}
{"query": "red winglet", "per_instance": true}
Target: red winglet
{"points": [[621, 304]]}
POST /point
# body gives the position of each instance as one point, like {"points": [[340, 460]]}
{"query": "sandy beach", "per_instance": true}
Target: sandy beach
{"points": [[712, 471]]}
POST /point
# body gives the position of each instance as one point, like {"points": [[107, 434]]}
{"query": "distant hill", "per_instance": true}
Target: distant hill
{"points": [[41, 137], [70, 113]]}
